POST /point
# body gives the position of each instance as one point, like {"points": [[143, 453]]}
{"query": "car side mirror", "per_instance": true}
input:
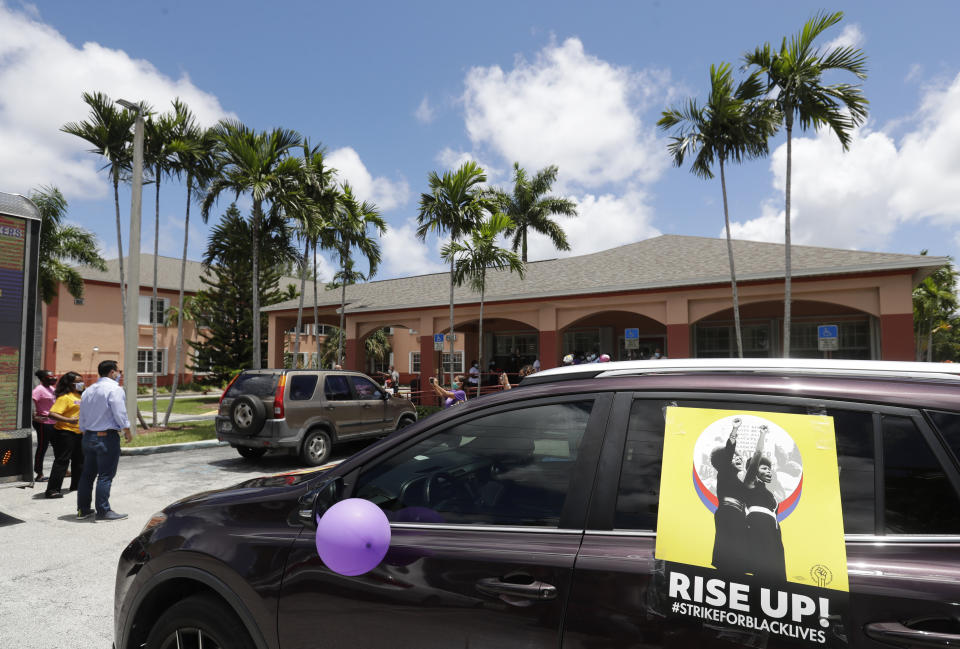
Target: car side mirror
{"points": [[316, 502]]}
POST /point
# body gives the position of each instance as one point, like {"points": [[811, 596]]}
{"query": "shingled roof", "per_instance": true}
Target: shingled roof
{"points": [[661, 262], [168, 274]]}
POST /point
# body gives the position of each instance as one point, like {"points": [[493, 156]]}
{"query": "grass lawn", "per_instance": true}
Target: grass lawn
{"points": [[188, 432], [198, 406]]}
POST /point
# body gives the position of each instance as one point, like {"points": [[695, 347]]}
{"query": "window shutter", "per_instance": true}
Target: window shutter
{"points": [[143, 317]]}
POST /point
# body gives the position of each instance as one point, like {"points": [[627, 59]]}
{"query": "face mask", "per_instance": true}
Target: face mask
{"points": [[78, 386]]}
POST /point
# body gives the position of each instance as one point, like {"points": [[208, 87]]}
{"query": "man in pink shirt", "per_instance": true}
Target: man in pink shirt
{"points": [[43, 399]]}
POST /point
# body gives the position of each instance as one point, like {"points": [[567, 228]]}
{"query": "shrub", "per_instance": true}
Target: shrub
{"points": [[426, 411]]}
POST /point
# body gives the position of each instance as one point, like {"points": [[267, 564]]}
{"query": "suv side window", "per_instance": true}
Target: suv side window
{"points": [[639, 491], [302, 387], [948, 423], [366, 389], [919, 496], [508, 468], [336, 388]]}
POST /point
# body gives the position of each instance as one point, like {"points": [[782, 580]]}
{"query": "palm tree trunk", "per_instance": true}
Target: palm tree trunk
{"points": [[786, 241], [316, 311], [733, 272], [343, 317], [930, 342], [123, 292], [153, 309], [256, 286], [303, 288], [524, 231], [452, 342], [183, 274], [480, 337]]}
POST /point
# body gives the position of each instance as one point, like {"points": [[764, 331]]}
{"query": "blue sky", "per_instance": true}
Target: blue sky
{"points": [[395, 90]]}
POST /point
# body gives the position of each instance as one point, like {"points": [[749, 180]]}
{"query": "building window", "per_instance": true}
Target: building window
{"points": [[456, 366], [153, 310], [414, 362], [146, 361], [78, 301]]}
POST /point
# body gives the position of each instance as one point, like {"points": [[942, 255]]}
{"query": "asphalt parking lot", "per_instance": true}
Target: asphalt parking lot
{"points": [[57, 572]]}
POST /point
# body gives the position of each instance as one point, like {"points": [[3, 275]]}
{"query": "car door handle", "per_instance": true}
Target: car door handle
{"points": [[366, 405], [537, 590], [903, 636], [329, 407]]}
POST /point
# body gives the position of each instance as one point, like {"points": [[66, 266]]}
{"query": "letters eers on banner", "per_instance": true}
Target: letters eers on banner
{"points": [[750, 528]]}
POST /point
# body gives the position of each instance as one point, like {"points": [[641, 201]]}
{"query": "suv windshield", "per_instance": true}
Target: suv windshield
{"points": [[260, 385]]}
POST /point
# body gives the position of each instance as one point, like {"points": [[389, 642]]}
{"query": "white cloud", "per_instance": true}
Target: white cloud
{"points": [[425, 112], [915, 72], [451, 159], [858, 198], [570, 109], [387, 194], [43, 76], [851, 36], [405, 255], [603, 222]]}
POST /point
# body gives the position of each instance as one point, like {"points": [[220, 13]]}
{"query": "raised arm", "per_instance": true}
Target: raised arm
{"points": [[754, 462]]}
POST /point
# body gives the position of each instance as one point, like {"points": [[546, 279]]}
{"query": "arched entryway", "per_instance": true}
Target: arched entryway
{"points": [[508, 345], [606, 332], [762, 331]]}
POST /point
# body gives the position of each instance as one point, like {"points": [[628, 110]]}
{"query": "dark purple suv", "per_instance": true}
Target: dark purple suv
{"points": [[528, 519]]}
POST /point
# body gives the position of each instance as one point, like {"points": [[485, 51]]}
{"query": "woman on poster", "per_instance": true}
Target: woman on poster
{"points": [[730, 523], [764, 544]]}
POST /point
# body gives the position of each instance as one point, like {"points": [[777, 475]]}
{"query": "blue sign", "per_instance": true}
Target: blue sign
{"points": [[631, 333], [438, 338], [828, 331]]}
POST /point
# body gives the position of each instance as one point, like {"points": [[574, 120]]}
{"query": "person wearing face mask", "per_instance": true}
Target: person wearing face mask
{"points": [[67, 449], [43, 398], [453, 397], [764, 540]]}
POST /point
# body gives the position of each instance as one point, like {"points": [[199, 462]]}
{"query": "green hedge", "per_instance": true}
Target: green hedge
{"points": [[426, 411]]}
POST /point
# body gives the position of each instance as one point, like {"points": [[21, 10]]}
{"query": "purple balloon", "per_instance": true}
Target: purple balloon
{"points": [[353, 536]]}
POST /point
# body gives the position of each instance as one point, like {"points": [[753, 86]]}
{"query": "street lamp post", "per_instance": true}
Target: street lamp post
{"points": [[133, 270]]}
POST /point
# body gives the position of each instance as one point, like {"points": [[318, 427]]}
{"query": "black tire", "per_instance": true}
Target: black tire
{"points": [[405, 421], [248, 414], [251, 453], [217, 625], [316, 447]]}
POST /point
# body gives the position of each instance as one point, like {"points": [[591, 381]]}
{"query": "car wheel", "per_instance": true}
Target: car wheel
{"points": [[404, 422], [248, 414], [251, 453], [199, 621], [316, 447]]}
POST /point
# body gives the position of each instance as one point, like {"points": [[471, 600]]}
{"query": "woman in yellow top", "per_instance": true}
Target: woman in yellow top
{"points": [[67, 449]]}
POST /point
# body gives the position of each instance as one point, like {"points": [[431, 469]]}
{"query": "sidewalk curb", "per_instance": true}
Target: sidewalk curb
{"points": [[169, 448]]}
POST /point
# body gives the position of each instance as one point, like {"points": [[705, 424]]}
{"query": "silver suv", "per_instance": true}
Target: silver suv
{"points": [[306, 411]]}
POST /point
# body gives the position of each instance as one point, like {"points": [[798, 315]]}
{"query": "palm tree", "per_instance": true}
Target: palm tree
{"points": [[258, 164], [348, 229], [158, 158], [473, 258], [192, 149], [109, 132], [319, 200], [934, 304], [529, 209], [455, 205], [794, 82], [733, 125], [60, 246]]}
